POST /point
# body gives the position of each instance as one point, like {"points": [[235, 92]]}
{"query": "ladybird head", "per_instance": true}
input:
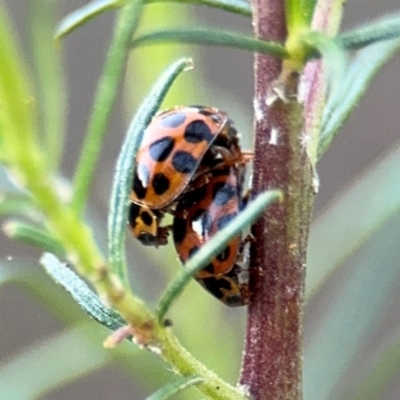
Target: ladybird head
{"points": [[143, 223], [147, 239]]}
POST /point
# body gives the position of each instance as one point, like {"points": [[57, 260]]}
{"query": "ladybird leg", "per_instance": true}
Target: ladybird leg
{"points": [[162, 235], [228, 155], [225, 158], [243, 257], [200, 181], [247, 156], [245, 199], [249, 239]]}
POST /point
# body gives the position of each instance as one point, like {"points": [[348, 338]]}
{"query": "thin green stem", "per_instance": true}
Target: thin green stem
{"points": [[82, 15], [385, 28], [50, 88], [360, 72], [33, 236], [184, 363], [90, 11], [107, 91]]}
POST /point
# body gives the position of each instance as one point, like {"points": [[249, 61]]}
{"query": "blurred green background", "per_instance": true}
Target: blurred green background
{"points": [[49, 349]]}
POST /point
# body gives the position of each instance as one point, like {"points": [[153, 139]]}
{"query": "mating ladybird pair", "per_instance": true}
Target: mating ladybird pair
{"points": [[190, 165]]}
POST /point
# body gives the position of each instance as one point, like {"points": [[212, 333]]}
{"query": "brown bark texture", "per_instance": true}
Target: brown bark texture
{"points": [[272, 359]]}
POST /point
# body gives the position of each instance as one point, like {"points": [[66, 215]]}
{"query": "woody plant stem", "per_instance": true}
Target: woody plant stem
{"points": [[272, 363], [272, 360]]}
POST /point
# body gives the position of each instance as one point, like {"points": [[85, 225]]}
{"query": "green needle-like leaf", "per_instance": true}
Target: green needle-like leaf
{"points": [[33, 236], [352, 218], [84, 14], [107, 91], [17, 115], [240, 7], [81, 293], [213, 38], [175, 387], [202, 257], [16, 204], [362, 69], [89, 11], [307, 8], [50, 88], [122, 182], [385, 28]]}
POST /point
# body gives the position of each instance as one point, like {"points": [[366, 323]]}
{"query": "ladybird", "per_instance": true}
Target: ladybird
{"points": [[199, 215], [178, 146]]}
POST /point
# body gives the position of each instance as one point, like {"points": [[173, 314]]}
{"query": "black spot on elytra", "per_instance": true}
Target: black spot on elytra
{"points": [[209, 268], [225, 219], [161, 149], [173, 120], [160, 183], [138, 187], [215, 285], [184, 162], [224, 255], [222, 193], [133, 214], [179, 231], [193, 251], [146, 218], [197, 131]]}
